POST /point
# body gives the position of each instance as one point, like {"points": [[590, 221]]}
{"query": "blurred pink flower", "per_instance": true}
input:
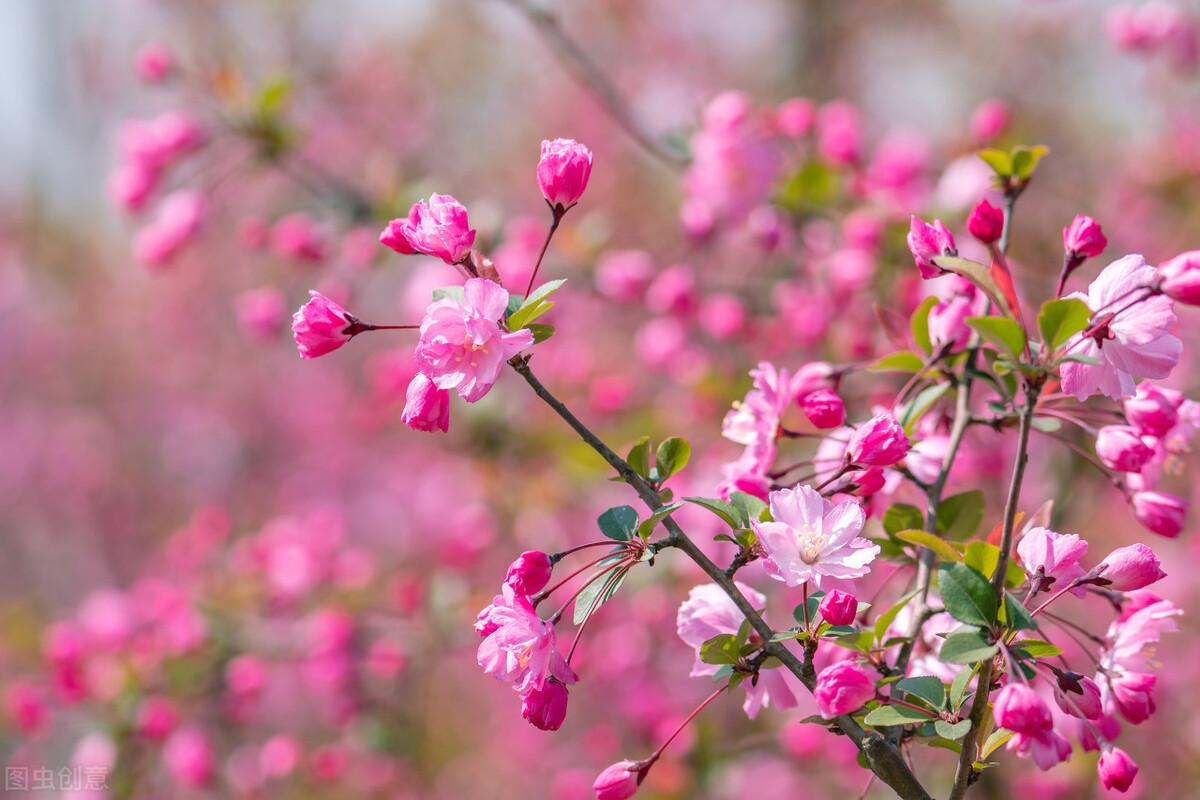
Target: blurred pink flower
{"points": [[1180, 277], [177, 222], [1160, 512], [298, 237], [153, 62]]}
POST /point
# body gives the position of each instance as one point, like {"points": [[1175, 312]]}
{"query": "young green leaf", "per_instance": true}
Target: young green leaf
{"points": [[959, 687], [996, 740], [966, 648], [926, 687], [727, 512], [535, 305], [1016, 616], [967, 595], [954, 731], [920, 323], [894, 715], [721, 649], [886, 619], [931, 541], [901, 517], [1025, 160], [912, 412], [1002, 332], [978, 274], [597, 593], [672, 456], [959, 515], [1059, 320], [639, 457], [662, 512], [1036, 648], [748, 506], [618, 523], [1000, 161], [899, 362]]}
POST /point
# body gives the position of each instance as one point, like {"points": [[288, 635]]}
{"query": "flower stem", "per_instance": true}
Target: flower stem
{"points": [[556, 215]]}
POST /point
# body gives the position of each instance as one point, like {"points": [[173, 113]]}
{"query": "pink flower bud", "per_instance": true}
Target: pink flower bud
{"points": [[530, 573], [177, 223], [1084, 238], [1120, 447], [153, 62], [986, 222], [795, 117], [879, 442], [926, 242], [131, 185], [869, 481], [1084, 706], [624, 275], [723, 315], [1160, 512], [319, 326], [673, 291], [823, 408], [298, 237], [1151, 411], [189, 757], [262, 311], [1020, 709], [838, 607], [436, 227], [1116, 769], [563, 172], [843, 687], [1133, 695], [157, 718], [617, 782], [839, 133], [989, 120], [948, 323], [1131, 568], [1108, 728], [545, 708], [1181, 277], [426, 407]]}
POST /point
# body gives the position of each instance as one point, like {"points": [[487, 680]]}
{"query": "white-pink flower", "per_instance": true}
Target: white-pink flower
{"points": [[1054, 555], [462, 345], [1126, 683], [811, 538], [518, 646], [1134, 340]]}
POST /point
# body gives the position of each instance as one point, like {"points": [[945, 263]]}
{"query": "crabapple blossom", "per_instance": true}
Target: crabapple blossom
{"points": [[1180, 278], [1131, 568], [986, 222], [1083, 238], [948, 329], [823, 408], [426, 407], [320, 326], [838, 607], [1160, 512], [1053, 556], [545, 708], [1116, 769], [563, 172], [795, 117], [879, 442], [1121, 448], [436, 227], [298, 237], [1150, 410], [518, 646], [811, 538], [529, 573], [926, 242], [1021, 710], [843, 687], [1085, 703], [618, 781], [177, 222]]}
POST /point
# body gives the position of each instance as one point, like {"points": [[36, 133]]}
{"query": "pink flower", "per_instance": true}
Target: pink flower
{"points": [[1083, 238], [823, 408], [545, 708], [1021, 710], [1130, 336], [530, 573], [437, 227], [624, 274], [795, 117], [262, 311], [462, 345], [673, 291], [519, 647], [1125, 685], [298, 237], [1116, 769], [1160, 512], [320, 326], [177, 223], [839, 133], [426, 407], [842, 688], [947, 321], [838, 607], [563, 172], [1151, 411], [1132, 695], [153, 62], [986, 222], [1047, 748], [1131, 568], [618, 781], [1181, 278], [927, 242], [1121, 448], [131, 185], [1052, 555], [811, 538], [189, 757], [157, 717], [723, 315], [988, 120], [879, 442], [26, 706], [1085, 704]]}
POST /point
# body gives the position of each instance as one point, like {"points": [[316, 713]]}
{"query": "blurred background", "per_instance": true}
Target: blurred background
{"points": [[233, 573]]}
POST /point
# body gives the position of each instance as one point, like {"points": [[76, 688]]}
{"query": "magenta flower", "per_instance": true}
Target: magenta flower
{"points": [[1083, 238], [1131, 568], [545, 708], [823, 408], [879, 442], [1151, 411], [841, 688], [838, 607], [926, 242], [948, 327], [1116, 769], [1120, 447], [177, 223], [436, 227], [1181, 278], [426, 407], [811, 538], [1021, 710], [1160, 512], [153, 62], [1085, 704], [986, 222], [530, 573], [462, 345], [1047, 748], [519, 647], [618, 781], [1052, 555], [320, 326], [563, 172], [1129, 337]]}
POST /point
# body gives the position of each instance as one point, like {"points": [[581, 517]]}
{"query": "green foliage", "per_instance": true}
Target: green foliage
{"points": [[900, 517], [618, 523], [926, 687], [959, 515], [894, 715], [967, 595], [672, 456], [920, 324], [903, 361], [597, 593], [931, 541], [1059, 320], [662, 512], [966, 648], [729, 513], [535, 305], [1002, 332]]}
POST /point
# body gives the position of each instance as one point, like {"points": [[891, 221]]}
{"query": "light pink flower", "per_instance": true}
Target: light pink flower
{"points": [[1181, 278], [811, 538], [519, 647], [1120, 447], [624, 274], [1126, 686], [320, 325], [462, 345], [298, 237], [879, 442], [426, 407], [795, 117], [1116, 769], [436, 227], [673, 291], [1047, 748], [927, 242], [1160, 512], [988, 120], [1084, 238], [563, 171], [1053, 555], [262, 311], [947, 322], [1131, 568], [176, 224], [189, 757], [839, 132], [618, 781], [1132, 339], [842, 688]]}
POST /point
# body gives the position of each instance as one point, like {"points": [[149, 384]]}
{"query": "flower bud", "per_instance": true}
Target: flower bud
{"points": [[1151, 411], [1131, 568], [795, 117], [530, 573], [1083, 238], [1121, 448], [563, 172], [1084, 706], [1020, 709], [319, 326], [989, 120], [189, 758], [838, 607], [436, 227], [926, 242], [153, 62], [823, 408], [1160, 512], [1181, 277], [1116, 769], [618, 781], [426, 407], [986, 222], [545, 708], [879, 442], [841, 688], [948, 323]]}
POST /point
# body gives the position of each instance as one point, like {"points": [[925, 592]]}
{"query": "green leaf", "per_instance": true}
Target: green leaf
{"points": [[1059, 320], [1002, 332], [1016, 615], [953, 732], [967, 595], [451, 292], [1046, 424], [920, 323], [723, 648], [1036, 648], [727, 512], [273, 95], [901, 516], [904, 361], [931, 541], [926, 687], [959, 515], [618, 523], [672, 455], [515, 301], [535, 305], [540, 332], [748, 507], [916, 408], [966, 648], [662, 512], [814, 602], [859, 642], [959, 687], [598, 591], [978, 274], [886, 619], [945, 744], [1000, 161], [983, 558], [1025, 160], [894, 715], [639, 457], [996, 740]]}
